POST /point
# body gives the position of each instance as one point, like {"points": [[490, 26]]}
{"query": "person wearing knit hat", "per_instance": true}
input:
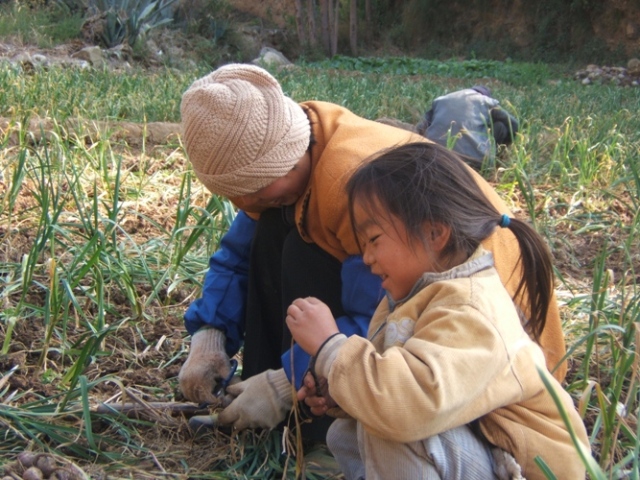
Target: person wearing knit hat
{"points": [[240, 132], [285, 166]]}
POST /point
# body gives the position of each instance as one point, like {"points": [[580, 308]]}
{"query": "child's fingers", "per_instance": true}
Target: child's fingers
{"points": [[303, 393], [308, 387], [319, 411], [315, 401], [310, 381]]}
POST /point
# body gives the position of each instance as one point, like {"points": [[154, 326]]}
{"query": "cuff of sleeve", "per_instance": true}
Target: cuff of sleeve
{"points": [[328, 354], [208, 339], [281, 384]]}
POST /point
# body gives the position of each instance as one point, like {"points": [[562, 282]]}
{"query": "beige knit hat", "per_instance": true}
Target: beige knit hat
{"points": [[240, 131]]}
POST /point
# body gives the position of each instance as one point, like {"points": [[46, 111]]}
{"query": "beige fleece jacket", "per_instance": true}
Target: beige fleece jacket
{"points": [[454, 352]]}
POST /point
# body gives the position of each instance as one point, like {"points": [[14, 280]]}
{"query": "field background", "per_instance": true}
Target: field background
{"points": [[105, 237]]}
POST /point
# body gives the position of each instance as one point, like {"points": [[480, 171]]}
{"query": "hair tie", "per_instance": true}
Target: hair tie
{"points": [[505, 220]]}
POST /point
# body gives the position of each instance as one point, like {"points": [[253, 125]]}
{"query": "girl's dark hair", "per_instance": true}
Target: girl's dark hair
{"points": [[424, 182]]}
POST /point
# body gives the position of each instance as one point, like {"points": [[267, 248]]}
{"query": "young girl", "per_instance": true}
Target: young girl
{"points": [[447, 385]]}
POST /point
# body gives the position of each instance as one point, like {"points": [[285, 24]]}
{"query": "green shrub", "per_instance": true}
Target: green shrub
{"points": [[127, 20]]}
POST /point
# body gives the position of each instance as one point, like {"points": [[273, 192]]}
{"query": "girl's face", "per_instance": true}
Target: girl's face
{"points": [[387, 251], [284, 191]]}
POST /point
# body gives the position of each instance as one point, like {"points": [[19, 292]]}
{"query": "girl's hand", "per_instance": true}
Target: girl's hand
{"points": [[311, 323], [316, 395]]}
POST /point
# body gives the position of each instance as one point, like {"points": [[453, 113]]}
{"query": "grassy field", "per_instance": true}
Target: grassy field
{"points": [[105, 241]]}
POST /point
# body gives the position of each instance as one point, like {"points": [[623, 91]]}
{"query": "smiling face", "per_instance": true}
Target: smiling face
{"points": [[284, 191], [388, 251]]}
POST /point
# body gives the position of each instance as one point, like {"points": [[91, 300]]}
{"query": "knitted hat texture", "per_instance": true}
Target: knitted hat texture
{"points": [[240, 131]]}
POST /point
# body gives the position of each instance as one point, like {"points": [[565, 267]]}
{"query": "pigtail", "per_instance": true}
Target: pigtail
{"points": [[537, 272], [424, 182]]}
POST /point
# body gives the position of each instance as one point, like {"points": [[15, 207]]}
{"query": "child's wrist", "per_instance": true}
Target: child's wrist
{"points": [[324, 343], [327, 353], [312, 360]]}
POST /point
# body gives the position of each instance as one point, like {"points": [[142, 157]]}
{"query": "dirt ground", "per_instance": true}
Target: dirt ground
{"points": [[145, 356]]}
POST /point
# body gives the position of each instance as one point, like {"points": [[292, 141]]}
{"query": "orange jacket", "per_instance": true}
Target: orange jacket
{"points": [[343, 142]]}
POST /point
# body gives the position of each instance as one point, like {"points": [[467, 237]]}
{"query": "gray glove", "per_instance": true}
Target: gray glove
{"points": [[262, 401], [207, 363]]}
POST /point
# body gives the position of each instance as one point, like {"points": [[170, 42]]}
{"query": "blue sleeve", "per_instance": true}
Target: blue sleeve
{"points": [[361, 294], [224, 292]]}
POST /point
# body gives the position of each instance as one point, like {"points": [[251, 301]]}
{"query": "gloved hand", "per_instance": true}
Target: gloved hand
{"points": [[262, 401], [206, 364]]}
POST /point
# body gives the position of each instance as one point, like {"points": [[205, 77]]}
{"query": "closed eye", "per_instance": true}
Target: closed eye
{"points": [[366, 241]]}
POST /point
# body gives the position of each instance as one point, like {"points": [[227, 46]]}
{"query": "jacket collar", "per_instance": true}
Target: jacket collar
{"points": [[480, 260]]}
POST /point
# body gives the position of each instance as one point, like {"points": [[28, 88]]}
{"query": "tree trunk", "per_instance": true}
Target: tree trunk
{"points": [[353, 27], [311, 15], [336, 25], [367, 20], [302, 38], [325, 23]]}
